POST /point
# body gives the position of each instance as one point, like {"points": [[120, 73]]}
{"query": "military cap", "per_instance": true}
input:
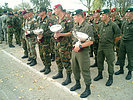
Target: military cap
{"points": [[104, 11], [16, 12], [78, 11], [10, 13], [4, 11], [58, 5], [84, 13], [64, 10], [112, 10], [43, 9], [129, 10], [96, 11], [30, 10]]}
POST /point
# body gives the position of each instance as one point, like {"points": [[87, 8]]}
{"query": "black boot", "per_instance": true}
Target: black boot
{"points": [[76, 86], [129, 75], [48, 70], [24, 57], [110, 80], [52, 57], [86, 93], [29, 62], [29, 59], [100, 76], [11, 46], [59, 75], [33, 62], [121, 71], [68, 79]]}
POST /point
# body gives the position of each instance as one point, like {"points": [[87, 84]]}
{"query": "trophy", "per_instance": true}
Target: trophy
{"points": [[39, 33], [56, 28], [82, 37]]}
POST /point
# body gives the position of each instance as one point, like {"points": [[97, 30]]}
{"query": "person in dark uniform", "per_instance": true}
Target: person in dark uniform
{"points": [[108, 32], [126, 46]]}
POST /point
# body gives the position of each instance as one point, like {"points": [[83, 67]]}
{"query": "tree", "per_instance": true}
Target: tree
{"points": [[40, 3], [21, 6], [86, 3], [97, 4]]}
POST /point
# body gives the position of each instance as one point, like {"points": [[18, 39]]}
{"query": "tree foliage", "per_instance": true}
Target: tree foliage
{"points": [[21, 6]]}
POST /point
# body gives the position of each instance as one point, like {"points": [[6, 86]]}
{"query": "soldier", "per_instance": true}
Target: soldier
{"points": [[31, 38], [17, 28], [126, 44], [0, 29], [117, 20], [10, 29], [52, 21], [4, 26], [44, 41], [81, 58], [108, 32], [96, 22], [62, 46]]}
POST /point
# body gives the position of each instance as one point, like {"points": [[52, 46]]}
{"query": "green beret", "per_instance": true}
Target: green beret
{"points": [[15, 13], [49, 10], [104, 11], [43, 9], [78, 11], [129, 10], [10, 13]]}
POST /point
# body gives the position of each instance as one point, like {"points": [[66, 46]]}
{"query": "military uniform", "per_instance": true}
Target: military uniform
{"points": [[126, 47], [0, 30], [44, 44], [17, 29], [10, 29], [107, 34]]}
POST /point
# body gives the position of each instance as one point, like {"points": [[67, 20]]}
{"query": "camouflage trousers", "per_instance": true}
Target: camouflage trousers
{"points": [[24, 46], [44, 51], [10, 32], [31, 43], [63, 56], [17, 36], [52, 46], [5, 33]]}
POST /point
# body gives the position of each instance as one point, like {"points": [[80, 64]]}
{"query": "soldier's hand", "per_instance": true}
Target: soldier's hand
{"points": [[76, 49]]}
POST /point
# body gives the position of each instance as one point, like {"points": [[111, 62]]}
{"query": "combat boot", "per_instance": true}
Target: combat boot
{"points": [[33, 62], [29, 62], [59, 75], [11, 46], [110, 80], [43, 70], [29, 59], [24, 57], [48, 70], [100, 76], [86, 93], [121, 71], [76, 86], [68, 79], [52, 57], [129, 75]]}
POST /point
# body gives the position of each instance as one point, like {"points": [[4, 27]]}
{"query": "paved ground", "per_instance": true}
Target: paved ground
{"points": [[18, 81]]}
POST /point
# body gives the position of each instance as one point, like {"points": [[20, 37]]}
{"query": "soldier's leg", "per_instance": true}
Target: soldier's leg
{"points": [[117, 51], [52, 49], [10, 37], [59, 64], [24, 46], [130, 59], [100, 61], [91, 50], [122, 56]]}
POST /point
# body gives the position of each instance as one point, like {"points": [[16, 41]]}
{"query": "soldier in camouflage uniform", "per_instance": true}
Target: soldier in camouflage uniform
{"points": [[10, 29], [52, 22], [31, 38], [62, 46], [117, 20], [126, 45], [44, 41], [96, 22], [108, 32], [23, 37], [17, 29], [80, 53]]}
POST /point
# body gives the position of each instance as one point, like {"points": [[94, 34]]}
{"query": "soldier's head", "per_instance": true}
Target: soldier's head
{"points": [[105, 14], [49, 12], [57, 9], [96, 13], [78, 15], [10, 15], [113, 12], [4, 12], [90, 16], [16, 14], [43, 11], [68, 14], [129, 14]]}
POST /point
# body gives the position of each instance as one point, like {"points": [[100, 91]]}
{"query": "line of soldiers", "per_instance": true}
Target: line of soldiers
{"points": [[107, 34]]}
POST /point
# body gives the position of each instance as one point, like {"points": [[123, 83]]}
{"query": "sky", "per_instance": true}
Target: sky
{"points": [[67, 4]]}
